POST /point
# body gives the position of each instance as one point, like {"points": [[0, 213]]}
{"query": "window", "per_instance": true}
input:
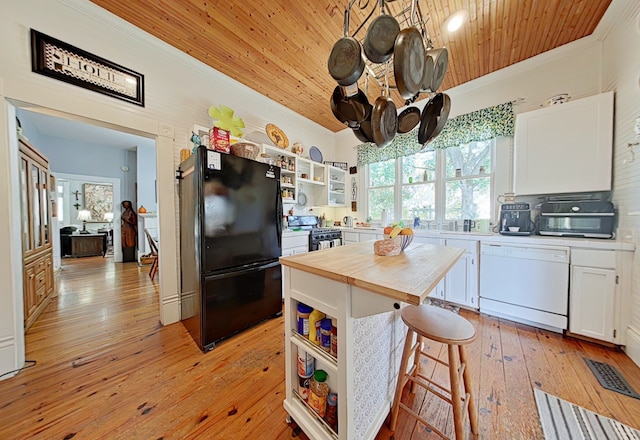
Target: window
{"points": [[60, 212], [435, 186]]}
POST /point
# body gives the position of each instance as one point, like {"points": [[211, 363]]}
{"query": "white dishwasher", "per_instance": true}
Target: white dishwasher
{"points": [[525, 283]]}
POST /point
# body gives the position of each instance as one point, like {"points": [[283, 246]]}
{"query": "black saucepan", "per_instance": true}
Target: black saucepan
{"points": [[434, 116], [350, 110], [408, 119], [408, 62], [346, 62], [380, 38]]}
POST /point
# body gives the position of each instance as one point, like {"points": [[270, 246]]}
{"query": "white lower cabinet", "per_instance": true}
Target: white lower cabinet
{"points": [[438, 291], [295, 244], [592, 294], [592, 297], [461, 282], [350, 237]]}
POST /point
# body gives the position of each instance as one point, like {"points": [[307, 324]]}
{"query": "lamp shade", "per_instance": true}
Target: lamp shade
{"points": [[108, 216], [84, 215]]}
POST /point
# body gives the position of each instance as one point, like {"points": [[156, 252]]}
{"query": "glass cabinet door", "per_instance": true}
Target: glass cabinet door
{"points": [[36, 213], [44, 200], [24, 206]]}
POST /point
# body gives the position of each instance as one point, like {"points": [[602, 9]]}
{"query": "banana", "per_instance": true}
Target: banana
{"points": [[395, 231]]}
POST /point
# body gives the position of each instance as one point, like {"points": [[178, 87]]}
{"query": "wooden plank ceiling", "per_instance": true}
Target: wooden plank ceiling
{"points": [[280, 48]]}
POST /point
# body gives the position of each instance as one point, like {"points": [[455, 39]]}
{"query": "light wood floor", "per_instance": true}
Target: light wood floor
{"points": [[107, 369]]}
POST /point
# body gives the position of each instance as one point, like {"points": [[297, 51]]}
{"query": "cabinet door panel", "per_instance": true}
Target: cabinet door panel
{"points": [[592, 302], [565, 148], [456, 285]]}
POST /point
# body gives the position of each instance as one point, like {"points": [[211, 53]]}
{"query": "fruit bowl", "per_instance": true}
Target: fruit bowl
{"points": [[401, 240]]}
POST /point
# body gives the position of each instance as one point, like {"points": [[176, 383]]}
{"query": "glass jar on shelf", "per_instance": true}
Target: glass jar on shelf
{"points": [[318, 392]]}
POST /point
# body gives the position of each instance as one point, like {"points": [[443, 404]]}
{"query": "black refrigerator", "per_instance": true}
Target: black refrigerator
{"points": [[230, 242]]}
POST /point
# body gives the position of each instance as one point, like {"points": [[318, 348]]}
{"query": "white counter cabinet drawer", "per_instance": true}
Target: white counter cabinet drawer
{"points": [[350, 237], [593, 258]]}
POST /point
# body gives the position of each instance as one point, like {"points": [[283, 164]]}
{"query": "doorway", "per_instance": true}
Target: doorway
{"points": [[83, 156]]}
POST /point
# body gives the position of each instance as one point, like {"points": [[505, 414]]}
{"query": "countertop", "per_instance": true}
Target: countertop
{"points": [[408, 277], [535, 240]]}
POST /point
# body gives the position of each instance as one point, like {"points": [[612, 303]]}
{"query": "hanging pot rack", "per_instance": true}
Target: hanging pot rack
{"points": [[403, 17]]}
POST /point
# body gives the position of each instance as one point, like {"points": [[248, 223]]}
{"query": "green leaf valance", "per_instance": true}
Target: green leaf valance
{"points": [[480, 125]]}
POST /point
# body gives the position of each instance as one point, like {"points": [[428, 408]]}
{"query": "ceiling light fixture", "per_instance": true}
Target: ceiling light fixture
{"points": [[456, 20]]}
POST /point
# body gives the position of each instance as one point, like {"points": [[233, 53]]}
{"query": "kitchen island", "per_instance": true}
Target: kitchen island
{"points": [[364, 293]]}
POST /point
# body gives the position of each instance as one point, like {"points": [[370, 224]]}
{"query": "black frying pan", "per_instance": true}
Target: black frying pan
{"points": [[346, 63], [444, 116], [380, 38], [384, 121], [408, 62], [350, 110], [408, 119], [434, 116], [364, 132]]}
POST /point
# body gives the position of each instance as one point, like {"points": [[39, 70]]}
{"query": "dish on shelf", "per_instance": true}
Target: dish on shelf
{"points": [[277, 136], [315, 154], [302, 198]]}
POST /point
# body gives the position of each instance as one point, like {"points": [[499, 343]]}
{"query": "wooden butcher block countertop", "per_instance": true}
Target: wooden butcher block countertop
{"points": [[408, 277]]}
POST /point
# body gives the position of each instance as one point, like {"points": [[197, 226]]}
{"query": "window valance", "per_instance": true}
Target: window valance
{"points": [[480, 125]]}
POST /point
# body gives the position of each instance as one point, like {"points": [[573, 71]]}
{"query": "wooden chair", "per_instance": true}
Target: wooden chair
{"points": [[449, 328], [154, 253]]}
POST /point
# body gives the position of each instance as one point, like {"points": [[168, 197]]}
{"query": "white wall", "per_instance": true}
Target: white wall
{"points": [[621, 73], [178, 93], [146, 171]]}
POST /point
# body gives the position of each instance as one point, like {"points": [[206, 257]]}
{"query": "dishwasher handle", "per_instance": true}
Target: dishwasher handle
{"points": [[559, 255]]}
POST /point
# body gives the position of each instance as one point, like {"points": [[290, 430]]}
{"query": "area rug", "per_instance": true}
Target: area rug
{"points": [[562, 420]]}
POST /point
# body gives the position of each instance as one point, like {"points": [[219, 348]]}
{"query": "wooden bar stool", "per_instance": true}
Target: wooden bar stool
{"points": [[449, 328]]}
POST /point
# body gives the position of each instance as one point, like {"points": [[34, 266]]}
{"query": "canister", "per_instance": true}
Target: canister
{"points": [[306, 363]]}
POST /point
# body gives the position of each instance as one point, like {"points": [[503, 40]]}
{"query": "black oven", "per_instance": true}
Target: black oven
{"points": [[588, 219]]}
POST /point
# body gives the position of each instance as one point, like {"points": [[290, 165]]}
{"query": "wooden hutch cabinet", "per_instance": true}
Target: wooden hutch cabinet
{"points": [[37, 250]]}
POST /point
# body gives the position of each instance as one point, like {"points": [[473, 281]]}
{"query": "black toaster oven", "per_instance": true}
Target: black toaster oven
{"points": [[588, 219]]}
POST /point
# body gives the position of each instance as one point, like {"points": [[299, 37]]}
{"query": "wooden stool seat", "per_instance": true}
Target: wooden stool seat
{"points": [[449, 328], [438, 324]]}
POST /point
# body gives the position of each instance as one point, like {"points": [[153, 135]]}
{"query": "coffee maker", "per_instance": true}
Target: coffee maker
{"points": [[515, 219]]}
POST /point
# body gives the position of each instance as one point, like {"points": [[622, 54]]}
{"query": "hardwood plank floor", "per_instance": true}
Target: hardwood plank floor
{"points": [[106, 368]]}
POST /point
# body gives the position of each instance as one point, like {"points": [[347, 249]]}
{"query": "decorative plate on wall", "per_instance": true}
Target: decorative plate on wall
{"points": [[277, 136], [315, 154]]}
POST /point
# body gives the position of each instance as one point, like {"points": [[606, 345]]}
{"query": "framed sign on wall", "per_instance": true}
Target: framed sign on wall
{"points": [[62, 61]]}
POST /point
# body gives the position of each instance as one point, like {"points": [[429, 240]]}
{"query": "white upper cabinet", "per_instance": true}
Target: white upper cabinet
{"points": [[565, 148]]}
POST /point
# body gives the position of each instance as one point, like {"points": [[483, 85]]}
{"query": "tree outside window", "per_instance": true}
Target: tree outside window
{"points": [[435, 186]]}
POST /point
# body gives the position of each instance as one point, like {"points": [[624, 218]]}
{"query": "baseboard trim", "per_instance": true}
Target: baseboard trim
{"points": [[170, 310], [633, 345]]}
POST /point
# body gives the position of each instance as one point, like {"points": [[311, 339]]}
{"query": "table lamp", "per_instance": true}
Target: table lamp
{"points": [[84, 215], [108, 217]]}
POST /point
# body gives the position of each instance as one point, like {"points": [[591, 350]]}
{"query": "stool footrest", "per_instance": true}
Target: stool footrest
{"points": [[425, 378], [421, 420], [431, 389], [434, 358]]}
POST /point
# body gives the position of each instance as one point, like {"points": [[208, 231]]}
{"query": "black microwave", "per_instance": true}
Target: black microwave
{"points": [[588, 219]]}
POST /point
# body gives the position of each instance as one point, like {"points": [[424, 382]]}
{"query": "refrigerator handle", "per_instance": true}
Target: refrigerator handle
{"points": [[279, 213]]}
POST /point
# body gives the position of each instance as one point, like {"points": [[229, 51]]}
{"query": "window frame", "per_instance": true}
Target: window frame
{"points": [[439, 187]]}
